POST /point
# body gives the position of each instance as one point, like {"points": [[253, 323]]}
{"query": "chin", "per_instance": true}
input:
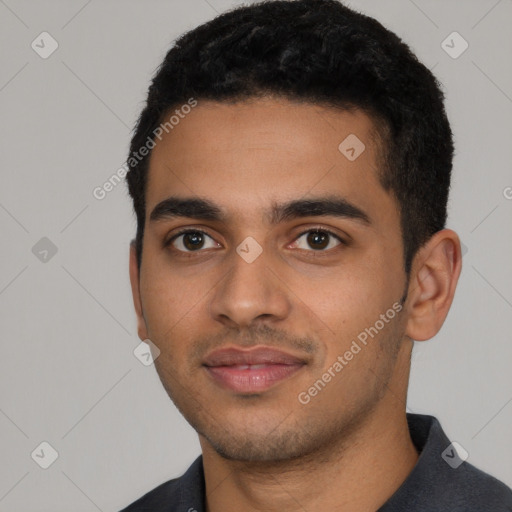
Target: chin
{"points": [[254, 450]]}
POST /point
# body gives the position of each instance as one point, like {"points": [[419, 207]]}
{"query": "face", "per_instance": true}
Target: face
{"points": [[296, 251]]}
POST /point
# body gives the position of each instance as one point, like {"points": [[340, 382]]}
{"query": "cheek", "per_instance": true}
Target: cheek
{"points": [[352, 299], [167, 303], [343, 296]]}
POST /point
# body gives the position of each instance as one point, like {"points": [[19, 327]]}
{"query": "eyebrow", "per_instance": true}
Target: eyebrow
{"points": [[204, 209]]}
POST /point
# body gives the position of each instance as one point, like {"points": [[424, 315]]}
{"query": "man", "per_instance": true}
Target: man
{"points": [[290, 174]]}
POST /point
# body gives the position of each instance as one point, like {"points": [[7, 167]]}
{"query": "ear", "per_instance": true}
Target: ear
{"points": [[434, 275], [135, 282]]}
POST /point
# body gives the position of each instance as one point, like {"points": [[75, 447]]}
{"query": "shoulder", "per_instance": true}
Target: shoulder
{"points": [[472, 486], [160, 499], [183, 494], [442, 479]]}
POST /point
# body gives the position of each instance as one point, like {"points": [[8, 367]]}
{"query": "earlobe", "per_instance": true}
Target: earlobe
{"points": [[433, 281], [135, 284]]}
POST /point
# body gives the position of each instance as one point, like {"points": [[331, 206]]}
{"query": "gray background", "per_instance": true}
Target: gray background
{"points": [[68, 375]]}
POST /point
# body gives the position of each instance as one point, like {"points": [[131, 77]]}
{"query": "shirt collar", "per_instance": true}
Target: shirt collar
{"points": [[431, 471]]}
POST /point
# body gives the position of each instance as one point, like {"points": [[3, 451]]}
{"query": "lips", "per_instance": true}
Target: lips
{"points": [[257, 356], [251, 371]]}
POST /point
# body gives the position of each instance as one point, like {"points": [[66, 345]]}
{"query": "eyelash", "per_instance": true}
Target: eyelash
{"points": [[310, 230]]}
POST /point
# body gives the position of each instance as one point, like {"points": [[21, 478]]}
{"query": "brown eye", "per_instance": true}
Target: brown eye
{"points": [[192, 241], [318, 240]]}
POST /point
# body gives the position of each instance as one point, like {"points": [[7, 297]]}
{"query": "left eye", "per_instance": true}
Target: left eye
{"points": [[319, 239]]}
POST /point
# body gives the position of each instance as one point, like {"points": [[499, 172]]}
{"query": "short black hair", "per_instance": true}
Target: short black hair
{"points": [[324, 53]]}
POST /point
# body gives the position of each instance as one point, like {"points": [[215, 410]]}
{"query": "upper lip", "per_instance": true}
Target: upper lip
{"points": [[261, 355]]}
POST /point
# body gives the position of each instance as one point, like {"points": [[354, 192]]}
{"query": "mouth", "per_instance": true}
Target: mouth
{"points": [[251, 371]]}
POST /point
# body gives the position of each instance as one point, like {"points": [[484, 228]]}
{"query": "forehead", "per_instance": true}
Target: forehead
{"points": [[246, 154]]}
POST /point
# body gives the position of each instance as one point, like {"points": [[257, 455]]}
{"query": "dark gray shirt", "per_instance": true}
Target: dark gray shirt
{"points": [[439, 482]]}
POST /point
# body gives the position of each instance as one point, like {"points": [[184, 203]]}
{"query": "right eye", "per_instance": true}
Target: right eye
{"points": [[190, 240]]}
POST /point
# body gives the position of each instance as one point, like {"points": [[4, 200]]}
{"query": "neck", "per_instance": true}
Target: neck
{"points": [[360, 472]]}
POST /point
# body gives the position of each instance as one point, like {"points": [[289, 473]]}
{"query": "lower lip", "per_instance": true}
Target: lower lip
{"points": [[252, 381]]}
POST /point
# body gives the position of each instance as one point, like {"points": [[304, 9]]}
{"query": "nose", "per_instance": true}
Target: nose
{"points": [[249, 293]]}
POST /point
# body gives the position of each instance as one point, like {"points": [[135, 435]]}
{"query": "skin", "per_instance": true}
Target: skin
{"points": [[348, 448]]}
